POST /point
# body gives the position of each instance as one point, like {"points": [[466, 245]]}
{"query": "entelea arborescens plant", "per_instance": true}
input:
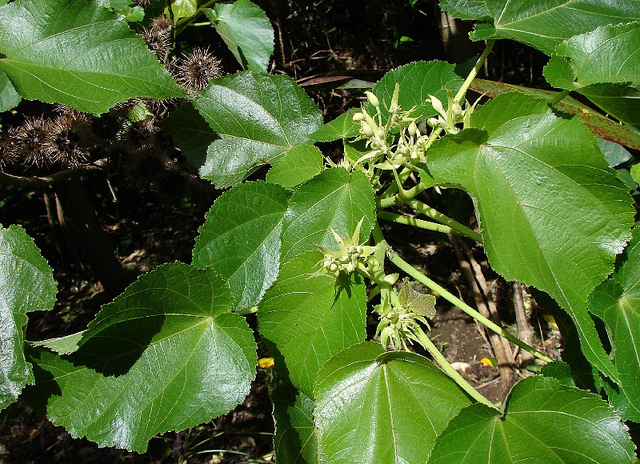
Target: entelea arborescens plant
{"points": [[304, 248]]}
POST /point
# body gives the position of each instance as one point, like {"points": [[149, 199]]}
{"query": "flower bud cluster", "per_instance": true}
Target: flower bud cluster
{"points": [[349, 255], [453, 115], [386, 152]]}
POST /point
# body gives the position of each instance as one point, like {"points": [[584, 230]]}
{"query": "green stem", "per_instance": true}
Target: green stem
{"points": [[420, 277], [183, 23], [474, 72], [558, 98], [448, 369], [409, 221], [442, 219]]}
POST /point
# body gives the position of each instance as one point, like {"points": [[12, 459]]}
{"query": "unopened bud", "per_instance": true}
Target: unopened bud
{"points": [[358, 117], [372, 99], [366, 129], [413, 129]]}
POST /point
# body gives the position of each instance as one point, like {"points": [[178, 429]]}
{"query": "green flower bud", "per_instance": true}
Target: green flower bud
{"points": [[372, 99]]}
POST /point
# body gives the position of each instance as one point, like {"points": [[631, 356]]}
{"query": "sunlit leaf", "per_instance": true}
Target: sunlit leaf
{"points": [[240, 239], [165, 355], [26, 285], [553, 214], [258, 117], [309, 317], [545, 422], [77, 53], [383, 407]]}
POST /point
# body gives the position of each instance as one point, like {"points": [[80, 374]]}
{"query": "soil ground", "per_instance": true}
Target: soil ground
{"points": [[312, 39]]}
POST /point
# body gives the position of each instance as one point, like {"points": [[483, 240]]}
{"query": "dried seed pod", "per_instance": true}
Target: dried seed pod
{"points": [[159, 41], [67, 141], [194, 70], [29, 139]]}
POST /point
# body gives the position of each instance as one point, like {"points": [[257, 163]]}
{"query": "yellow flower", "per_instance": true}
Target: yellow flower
{"points": [[265, 363]]}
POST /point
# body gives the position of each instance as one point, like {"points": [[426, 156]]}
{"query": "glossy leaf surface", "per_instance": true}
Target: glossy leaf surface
{"points": [[544, 24], [334, 199], [544, 422], [383, 407], [9, 97], [26, 285], [258, 117], [617, 302], [77, 53], [246, 30], [240, 239], [309, 316], [300, 164], [164, 355], [552, 212]]}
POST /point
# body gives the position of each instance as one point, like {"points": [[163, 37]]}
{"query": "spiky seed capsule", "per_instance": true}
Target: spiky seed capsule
{"points": [[28, 140], [194, 70], [65, 143], [161, 22]]}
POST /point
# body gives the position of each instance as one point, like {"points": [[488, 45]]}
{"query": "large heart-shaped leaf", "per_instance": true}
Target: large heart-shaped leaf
{"points": [[77, 53], [299, 164], [165, 355], [553, 214], [617, 302], [545, 422], [241, 239], [246, 30], [309, 316], [375, 406], [543, 24], [333, 200], [26, 284], [258, 117]]}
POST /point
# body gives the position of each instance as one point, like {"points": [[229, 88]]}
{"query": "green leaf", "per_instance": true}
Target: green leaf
{"points": [[164, 355], [544, 24], [334, 199], [9, 98], [341, 127], [466, 9], [617, 303], [190, 132], [183, 8], [545, 422], [240, 239], [300, 164], [309, 317], [416, 302], [296, 438], [417, 81], [598, 124], [600, 65], [246, 30], [553, 214], [391, 405], [560, 371], [258, 117], [26, 285], [79, 54]]}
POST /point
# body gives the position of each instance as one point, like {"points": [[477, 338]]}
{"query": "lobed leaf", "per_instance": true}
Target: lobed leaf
{"points": [[246, 30], [258, 117], [387, 407], [26, 285], [79, 54], [553, 214], [543, 24], [164, 355], [334, 199], [617, 302], [544, 421], [309, 316], [240, 239]]}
